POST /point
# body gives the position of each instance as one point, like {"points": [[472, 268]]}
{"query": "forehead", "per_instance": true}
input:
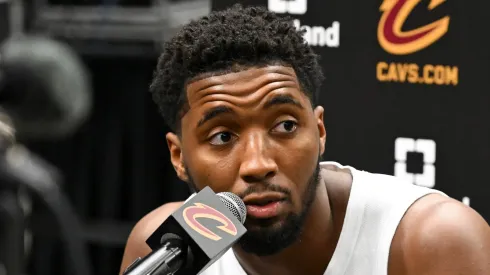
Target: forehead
{"points": [[248, 85]]}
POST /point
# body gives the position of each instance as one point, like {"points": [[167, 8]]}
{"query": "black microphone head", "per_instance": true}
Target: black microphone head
{"points": [[234, 204], [173, 239], [170, 237]]}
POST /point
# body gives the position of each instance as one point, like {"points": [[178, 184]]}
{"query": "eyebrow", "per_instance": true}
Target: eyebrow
{"points": [[276, 100], [212, 113], [282, 99]]}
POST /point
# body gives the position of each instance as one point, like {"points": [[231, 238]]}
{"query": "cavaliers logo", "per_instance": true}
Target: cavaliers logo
{"points": [[394, 40], [200, 210]]}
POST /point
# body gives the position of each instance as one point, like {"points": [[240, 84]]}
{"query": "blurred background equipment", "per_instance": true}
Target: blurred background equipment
{"points": [[43, 87], [116, 165], [116, 28], [44, 95]]}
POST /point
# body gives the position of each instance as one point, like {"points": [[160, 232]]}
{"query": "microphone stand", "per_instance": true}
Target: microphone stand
{"points": [[158, 262]]}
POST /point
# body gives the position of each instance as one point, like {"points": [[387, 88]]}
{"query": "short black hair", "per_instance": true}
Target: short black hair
{"points": [[229, 40]]}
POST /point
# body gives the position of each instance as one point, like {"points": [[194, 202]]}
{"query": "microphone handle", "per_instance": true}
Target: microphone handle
{"points": [[166, 260]]}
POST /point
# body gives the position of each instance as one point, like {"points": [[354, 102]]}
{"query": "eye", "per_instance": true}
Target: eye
{"points": [[287, 126], [221, 138]]}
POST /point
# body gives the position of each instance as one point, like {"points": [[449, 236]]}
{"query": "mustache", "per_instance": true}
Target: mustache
{"points": [[264, 187]]}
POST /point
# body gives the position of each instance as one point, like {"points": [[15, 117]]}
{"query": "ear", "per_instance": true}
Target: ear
{"points": [[176, 156], [321, 127]]}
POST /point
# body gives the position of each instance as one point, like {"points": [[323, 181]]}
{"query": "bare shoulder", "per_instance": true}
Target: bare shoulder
{"points": [[439, 235], [136, 244]]}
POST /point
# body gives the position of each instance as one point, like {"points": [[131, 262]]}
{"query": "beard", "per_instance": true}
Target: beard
{"points": [[269, 239]]}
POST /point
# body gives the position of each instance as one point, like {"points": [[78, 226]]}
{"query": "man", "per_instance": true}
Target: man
{"points": [[239, 89]]}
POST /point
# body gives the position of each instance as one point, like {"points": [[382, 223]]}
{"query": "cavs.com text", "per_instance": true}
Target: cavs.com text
{"points": [[414, 73]]}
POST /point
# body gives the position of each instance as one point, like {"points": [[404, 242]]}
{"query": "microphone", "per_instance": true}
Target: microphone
{"points": [[194, 236]]}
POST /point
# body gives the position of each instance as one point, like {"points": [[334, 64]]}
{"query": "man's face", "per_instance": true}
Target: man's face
{"points": [[255, 134]]}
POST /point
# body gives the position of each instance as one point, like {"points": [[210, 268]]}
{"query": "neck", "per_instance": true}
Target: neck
{"points": [[310, 254]]}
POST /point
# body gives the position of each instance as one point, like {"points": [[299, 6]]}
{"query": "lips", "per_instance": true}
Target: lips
{"points": [[262, 199], [264, 206]]}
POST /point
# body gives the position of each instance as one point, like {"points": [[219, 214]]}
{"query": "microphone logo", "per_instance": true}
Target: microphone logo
{"points": [[203, 211]]}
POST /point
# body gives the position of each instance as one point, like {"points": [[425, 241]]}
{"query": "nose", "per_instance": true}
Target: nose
{"points": [[257, 163]]}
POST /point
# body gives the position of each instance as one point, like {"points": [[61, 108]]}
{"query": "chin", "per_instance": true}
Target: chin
{"points": [[265, 224], [269, 236]]}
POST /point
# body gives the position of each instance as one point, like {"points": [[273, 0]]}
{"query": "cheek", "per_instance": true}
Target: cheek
{"points": [[298, 161], [211, 170]]}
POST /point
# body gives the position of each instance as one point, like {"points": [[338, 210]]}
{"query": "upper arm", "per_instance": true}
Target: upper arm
{"points": [[445, 237], [136, 244]]}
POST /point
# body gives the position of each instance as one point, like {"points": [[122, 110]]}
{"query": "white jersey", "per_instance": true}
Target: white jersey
{"points": [[376, 206]]}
